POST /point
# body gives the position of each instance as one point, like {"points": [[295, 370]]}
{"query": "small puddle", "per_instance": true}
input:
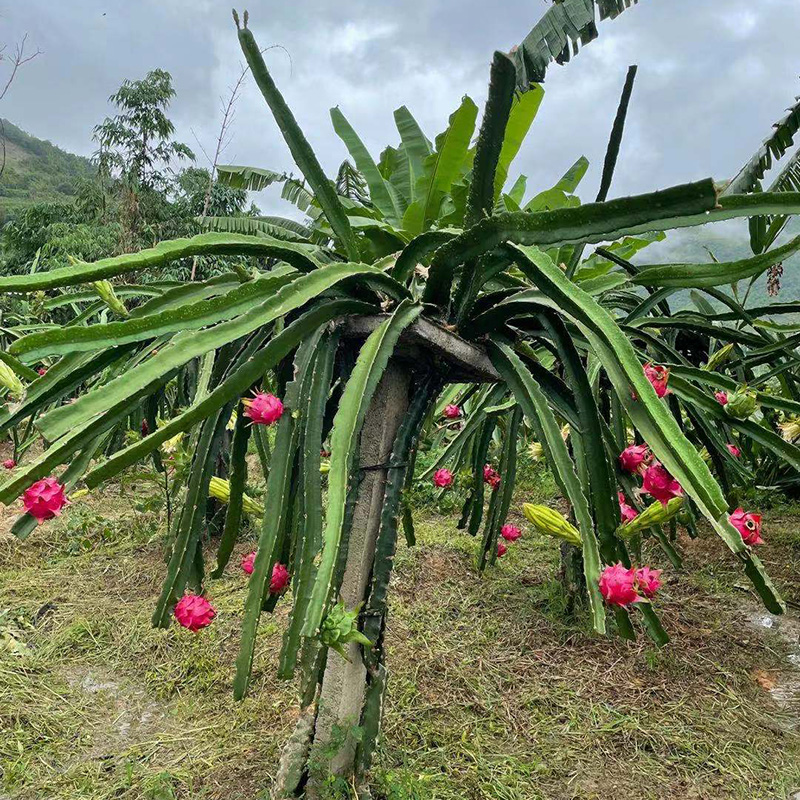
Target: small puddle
{"points": [[783, 685]]}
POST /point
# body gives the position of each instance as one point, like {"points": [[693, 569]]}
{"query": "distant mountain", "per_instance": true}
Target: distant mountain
{"points": [[727, 241], [37, 171]]}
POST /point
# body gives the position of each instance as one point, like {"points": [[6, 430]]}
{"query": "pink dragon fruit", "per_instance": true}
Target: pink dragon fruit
{"points": [[443, 478], [649, 581], [44, 499], [280, 579], [452, 411], [263, 409], [722, 398], [660, 484], [658, 377], [748, 524], [248, 562], [635, 458], [491, 476], [194, 612], [510, 533], [627, 512], [618, 586], [734, 450], [9, 463], [501, 549]]}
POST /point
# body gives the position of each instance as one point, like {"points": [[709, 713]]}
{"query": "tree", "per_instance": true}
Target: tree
{"points": [[442, 278], [137, 143], [14, 61]]}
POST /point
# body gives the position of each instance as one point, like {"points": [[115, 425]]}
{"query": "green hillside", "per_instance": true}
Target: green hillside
{"points": [[37, 171], [728, 241]]}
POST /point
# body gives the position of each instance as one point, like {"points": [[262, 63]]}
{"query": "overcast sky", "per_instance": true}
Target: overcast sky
{"points": [[713, 76]]}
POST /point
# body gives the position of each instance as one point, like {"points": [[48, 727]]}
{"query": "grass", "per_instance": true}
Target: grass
{"points": [[493, 693]]}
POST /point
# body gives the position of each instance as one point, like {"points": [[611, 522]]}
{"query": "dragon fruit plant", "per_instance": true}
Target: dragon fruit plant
{"points": [[453, 288]]}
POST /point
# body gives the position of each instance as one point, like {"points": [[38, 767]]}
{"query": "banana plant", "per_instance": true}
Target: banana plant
{"points": [[349, 341]]}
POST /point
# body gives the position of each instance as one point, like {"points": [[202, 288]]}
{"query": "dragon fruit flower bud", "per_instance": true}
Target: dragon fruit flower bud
{"points": [[536, 451], [194, 612], [654, 515], [720, 357], [9, 463], [452, 411], [648, 581], [510, 533], [44, 499], [658, 377], [280, 579], [248, 563], [635, 458], [501, 549], [660, 484], [442, 478], [742, 403], [628, 513], [220, 489], [734, 450], [748, 524], [106, 292], [618, 586], [263, 409], [10, 380], [551, 523], [721, 397]]}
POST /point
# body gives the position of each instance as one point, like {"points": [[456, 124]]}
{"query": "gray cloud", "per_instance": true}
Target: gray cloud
{"points": [[713, 76]]}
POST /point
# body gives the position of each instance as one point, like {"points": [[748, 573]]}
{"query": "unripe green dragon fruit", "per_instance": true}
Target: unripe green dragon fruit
{"points": [[106, 292], [220, 489], [340, 627], [11, 381], [741, 403], [720, 357], [655, 514], [551, 523]]}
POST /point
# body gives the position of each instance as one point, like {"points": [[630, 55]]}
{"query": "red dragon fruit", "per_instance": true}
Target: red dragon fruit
{"points": [[248, 562], [263, 409], [443, 478], [627, 512], [452, 411], [280, 579], [618, 585], [9, 463], [734, 450], [649, 581], [501, 549], [722, 397], [658, 377], [42, 371], [635, 458], [748, 524], [44, 499], [491, 476], [510, 533], [194, 612], [660, 484]]}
